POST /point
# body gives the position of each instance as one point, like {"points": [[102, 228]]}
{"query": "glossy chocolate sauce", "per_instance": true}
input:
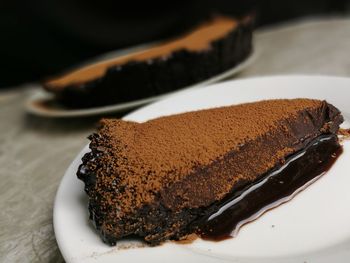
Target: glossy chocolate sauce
{"points": [[276, 187]]}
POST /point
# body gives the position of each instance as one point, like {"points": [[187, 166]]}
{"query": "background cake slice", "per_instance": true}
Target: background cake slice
{"points": [[209, 49], [157, 179]]}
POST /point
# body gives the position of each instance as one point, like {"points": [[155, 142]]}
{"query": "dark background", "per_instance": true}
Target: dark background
{"points": [[40, 38]]}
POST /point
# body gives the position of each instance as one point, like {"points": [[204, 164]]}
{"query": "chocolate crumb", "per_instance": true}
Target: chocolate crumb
{"points": [[345, 133]]}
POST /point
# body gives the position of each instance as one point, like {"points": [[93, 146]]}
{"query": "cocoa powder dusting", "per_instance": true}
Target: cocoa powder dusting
{"points": [[143, 158]]}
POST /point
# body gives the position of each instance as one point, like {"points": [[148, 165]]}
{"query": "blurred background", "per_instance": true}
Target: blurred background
{"points": [[40, 38]]}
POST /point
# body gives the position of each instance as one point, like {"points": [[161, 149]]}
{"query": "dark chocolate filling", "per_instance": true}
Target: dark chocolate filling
{"points": [[276, 187]]}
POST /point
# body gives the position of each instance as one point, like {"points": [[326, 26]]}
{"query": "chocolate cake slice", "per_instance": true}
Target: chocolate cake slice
{"points": [[168, 177], [207, 50]]}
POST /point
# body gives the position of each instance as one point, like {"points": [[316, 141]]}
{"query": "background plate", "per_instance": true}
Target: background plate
{"points": [[313, 227], [42, 103]]}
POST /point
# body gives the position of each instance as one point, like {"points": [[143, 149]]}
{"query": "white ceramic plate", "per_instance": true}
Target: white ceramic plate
{"points": [[314, 227], [43, 104]]}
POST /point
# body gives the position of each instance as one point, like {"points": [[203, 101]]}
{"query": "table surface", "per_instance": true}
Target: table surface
{"points": [[35, 152]]}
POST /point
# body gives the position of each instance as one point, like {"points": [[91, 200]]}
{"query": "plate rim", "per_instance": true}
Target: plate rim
{"points": [[244, 79]]}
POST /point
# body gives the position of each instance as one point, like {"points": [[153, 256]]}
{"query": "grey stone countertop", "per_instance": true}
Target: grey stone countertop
{"points": [[35, 152]]}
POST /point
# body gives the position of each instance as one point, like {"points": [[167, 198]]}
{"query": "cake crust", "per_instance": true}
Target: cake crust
{"points": [[153, 179]]}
